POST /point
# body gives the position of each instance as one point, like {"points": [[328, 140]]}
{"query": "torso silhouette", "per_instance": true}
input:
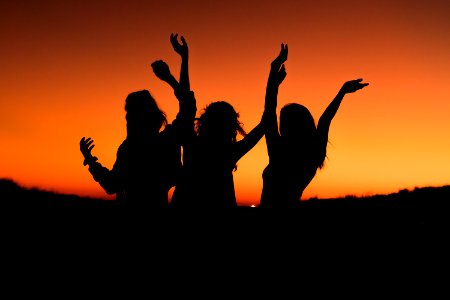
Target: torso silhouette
{"points": [[286, 176], [144, 171], [207, 177]]}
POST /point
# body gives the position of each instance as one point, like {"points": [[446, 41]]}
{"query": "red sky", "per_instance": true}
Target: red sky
{"points": [[67, 66]]}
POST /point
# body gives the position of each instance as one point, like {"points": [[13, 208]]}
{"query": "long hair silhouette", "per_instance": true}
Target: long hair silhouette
{"points": [[148, 160], [299, 133], [143, 115]]}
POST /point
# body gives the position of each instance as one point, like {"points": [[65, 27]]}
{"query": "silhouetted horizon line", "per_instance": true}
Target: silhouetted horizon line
{"points": [[7, 183]]}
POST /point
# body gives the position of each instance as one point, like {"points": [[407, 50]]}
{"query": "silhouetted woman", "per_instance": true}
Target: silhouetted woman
{"points": [[298, 149], [210, 153], [147, 161]]}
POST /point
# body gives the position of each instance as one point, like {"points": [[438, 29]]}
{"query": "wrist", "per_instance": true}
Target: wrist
{"points": [[89, 160]]}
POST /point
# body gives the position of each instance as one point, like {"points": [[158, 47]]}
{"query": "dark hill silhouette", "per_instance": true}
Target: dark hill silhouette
{"points": [[420, 206], [12, 195]]}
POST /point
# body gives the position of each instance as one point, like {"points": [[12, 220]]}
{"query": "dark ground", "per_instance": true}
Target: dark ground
{"points": [[376, 234], [418, 207]]}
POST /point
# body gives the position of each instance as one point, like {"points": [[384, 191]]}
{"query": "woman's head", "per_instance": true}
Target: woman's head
{"points": [[219, 122], [298, 130], [143, 114], [296, 123]]}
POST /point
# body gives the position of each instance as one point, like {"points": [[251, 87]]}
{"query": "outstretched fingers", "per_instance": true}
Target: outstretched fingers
{"points": [[354, 85], [86, 141], [360, 83], [180, 48], [174, 41], [86, 145], [282, 56], [173, 37], [284, 52], [284, 49]]}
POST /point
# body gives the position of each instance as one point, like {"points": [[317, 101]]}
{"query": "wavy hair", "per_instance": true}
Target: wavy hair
{"points": [[219, 121]]}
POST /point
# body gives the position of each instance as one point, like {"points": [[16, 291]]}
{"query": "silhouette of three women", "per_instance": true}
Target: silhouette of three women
{"points": [[148, 162]]}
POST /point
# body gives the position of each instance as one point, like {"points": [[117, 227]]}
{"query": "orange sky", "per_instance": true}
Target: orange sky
{"points": [[67, 66]]}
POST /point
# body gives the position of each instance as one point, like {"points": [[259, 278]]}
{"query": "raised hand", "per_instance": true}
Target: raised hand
{"points": [[180, 48], [280, 75], [161, 70], [353, 85], [282, 56], [86, 146], [277, 68]]}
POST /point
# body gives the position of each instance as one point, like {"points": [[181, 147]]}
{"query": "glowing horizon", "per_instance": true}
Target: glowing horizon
{"points": [[67, 67]]}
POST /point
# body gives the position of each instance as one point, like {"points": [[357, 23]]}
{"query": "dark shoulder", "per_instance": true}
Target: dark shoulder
{"points": [[167, 134], [168, 129], [122, 148]]}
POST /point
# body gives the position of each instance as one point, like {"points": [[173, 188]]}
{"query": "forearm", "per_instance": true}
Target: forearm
{"points": [[187, 105], [271, 132], [249, 141], [185, 119], [184, 73], [172, 82], [104, 177], [271, 99], [180, 93], [272, 88], [332, 109], [270, 113]]}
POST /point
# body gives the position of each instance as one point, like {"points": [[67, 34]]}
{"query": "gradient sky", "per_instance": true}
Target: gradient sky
{"points": [[67, 66]]}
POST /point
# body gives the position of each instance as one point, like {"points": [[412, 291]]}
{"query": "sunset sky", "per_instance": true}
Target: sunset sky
{"points": [[66, 68]]}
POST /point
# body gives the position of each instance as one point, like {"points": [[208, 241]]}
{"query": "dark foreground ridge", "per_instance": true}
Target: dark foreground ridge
{"points": [[420, 206], [13, 195]]}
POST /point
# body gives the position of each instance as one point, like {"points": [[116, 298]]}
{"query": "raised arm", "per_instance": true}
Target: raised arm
{"points": [[183, 50], [184, 121], [323, 125], [268, 124], [276, 77], [162, 71]]}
